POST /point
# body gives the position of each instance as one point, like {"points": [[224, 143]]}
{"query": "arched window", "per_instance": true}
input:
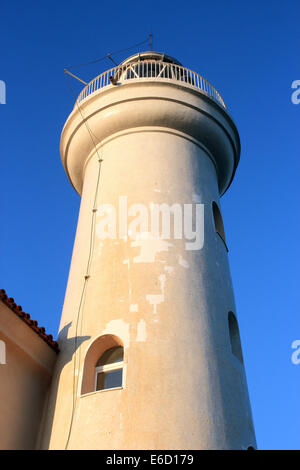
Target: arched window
{"points": [[234, 334], [109, 369], [219, 226], [104, 365]]}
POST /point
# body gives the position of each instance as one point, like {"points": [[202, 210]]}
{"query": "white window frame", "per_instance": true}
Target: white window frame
{"points": [[109, 368]]}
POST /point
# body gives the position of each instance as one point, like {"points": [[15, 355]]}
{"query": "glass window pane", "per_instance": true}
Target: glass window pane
{"points": [[100, 381], [234, 334], [109, 379], [111, 356], [218, 220]]}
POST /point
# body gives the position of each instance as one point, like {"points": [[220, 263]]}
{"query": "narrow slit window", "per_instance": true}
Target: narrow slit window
{"points": [[234, 334], [219, 226]]}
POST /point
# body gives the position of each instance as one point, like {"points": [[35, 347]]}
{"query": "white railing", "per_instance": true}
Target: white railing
{"points": [[154, 70]]}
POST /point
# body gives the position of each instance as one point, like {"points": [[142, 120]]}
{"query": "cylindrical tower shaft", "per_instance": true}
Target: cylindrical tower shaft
{"points": [[168, 149]]}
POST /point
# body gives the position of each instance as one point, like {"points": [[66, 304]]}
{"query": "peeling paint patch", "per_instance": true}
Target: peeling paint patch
{"points": [[169, 269], [156, 299], [141, 331], [183, 262], [119, 328], [162, 279], [134, 308], [150, 246]]}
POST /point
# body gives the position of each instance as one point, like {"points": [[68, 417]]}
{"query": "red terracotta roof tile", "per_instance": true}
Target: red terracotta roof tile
{"points": [[33, 324]]}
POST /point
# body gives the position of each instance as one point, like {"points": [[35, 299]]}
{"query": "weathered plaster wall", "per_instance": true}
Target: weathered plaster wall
{"points": [[184, 388]]}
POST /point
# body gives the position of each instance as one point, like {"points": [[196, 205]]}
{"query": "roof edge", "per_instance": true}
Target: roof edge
{"points": [[33, 324]]}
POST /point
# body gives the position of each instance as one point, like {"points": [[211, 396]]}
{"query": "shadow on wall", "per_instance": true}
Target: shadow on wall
{"points": [[69, 346]]}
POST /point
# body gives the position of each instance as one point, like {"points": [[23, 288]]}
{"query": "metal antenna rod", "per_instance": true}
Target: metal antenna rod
{"points": [[110, 58], [151, 41], [74, 76]]}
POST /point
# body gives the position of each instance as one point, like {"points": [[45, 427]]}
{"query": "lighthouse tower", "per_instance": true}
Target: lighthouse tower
{"points": [[150, 354]]}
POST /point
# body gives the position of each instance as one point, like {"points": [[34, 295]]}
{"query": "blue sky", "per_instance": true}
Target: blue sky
{"points": [[250, 53]]}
